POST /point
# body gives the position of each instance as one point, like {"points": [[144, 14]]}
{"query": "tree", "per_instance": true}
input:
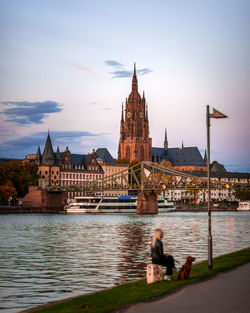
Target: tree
{"points": [[242, 193], [166, 163], [122, 161], [7, 191], [19, 176]]}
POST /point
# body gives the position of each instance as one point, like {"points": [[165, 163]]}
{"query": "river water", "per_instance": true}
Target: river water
{"points": [[45, 258]]}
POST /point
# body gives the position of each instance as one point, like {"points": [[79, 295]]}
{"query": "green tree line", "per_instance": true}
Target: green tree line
{"points": [[15, 179], [242, 193]]}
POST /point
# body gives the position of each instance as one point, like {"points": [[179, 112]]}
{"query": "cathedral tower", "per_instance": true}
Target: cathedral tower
{"points": [[134, 130]]}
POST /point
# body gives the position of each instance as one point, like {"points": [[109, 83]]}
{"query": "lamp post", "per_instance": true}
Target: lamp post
{"points": [[215, 114]]}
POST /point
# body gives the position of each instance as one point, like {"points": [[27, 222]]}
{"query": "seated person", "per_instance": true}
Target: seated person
{"points": [[158, 256]]}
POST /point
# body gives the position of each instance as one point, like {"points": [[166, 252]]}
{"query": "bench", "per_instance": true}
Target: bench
{"points": [[154, 273]]}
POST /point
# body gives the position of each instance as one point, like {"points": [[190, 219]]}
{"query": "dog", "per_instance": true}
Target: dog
{"points": [[186, 269]]}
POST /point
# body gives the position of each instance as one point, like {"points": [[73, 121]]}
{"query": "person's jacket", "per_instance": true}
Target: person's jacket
{"points": [[157, 252]]}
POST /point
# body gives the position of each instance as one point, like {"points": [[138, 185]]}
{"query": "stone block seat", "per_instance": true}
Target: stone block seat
{"points": [[154, 273]]}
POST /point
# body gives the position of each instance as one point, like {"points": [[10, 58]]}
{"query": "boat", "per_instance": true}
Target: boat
{"points": [[244, 206], [111, 204]]}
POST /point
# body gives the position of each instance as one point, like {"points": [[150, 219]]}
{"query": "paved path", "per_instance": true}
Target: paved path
{"points": [[225, 293]]}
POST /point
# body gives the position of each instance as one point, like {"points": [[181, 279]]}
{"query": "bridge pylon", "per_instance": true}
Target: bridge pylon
{"points": [[147, 202]]}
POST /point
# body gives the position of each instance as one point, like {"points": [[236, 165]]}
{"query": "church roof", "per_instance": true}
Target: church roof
{"points": [[48, 156], [104, 155], [183, 156], [79, 159], [48, 149], [82, 159]]}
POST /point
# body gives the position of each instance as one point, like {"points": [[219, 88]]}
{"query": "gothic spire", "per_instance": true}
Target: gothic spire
{"points": [[122, 132], [205, 156], [48, 153], [166, 141], [182, 145], [48, 149], [38, 156], [58, 156], [122, 113], [134, 80]]}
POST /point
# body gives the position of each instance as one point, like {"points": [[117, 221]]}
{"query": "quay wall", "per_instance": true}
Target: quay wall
{"points": [[38, 200], [29, 210]]}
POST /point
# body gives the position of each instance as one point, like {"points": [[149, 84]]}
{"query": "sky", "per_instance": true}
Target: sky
{"points": [[66, 67]]}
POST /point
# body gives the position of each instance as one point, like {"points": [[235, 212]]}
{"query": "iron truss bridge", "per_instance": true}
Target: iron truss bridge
{"points": [[145, 176]]}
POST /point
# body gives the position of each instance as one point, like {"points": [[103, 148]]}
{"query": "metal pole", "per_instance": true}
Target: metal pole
{"points": [[210, 246]]}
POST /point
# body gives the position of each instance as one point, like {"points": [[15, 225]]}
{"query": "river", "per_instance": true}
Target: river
{"points": [[50, 257]]}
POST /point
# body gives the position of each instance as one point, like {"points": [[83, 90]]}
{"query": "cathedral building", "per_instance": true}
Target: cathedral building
{"points": [[136, 144], [134, 130]]}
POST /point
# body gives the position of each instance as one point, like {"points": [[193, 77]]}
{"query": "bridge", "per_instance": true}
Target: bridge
{"points": [[146, 178], [142, 177]]}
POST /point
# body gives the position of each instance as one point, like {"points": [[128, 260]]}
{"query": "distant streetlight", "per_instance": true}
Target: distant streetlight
{"points": [[215, 114]]}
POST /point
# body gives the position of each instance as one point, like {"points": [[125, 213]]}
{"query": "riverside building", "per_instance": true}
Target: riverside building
{"points": [[66, 168]]}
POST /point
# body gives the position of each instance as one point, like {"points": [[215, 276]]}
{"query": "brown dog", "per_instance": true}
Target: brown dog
{"points": [[186, 269]]}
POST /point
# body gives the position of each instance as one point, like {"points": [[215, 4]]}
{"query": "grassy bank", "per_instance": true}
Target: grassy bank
{"points": [[110, 299]]}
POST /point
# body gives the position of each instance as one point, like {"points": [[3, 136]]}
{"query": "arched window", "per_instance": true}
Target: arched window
{"points": [[139, 129], [128, 152], [142, 153]]}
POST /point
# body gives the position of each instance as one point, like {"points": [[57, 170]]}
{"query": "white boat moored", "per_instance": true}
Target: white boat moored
{"points": [[244, 206], [111, 204]]}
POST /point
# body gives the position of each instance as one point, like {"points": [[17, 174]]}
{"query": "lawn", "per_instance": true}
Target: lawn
{"points": [[110, 299]]}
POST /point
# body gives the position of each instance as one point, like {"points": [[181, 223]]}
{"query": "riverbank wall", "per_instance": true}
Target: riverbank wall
{"points": [[38, 200], [204, 209], [29, 210], [60, 210]]}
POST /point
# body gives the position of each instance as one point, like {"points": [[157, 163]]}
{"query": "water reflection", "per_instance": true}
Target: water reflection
{"points": [[133, 248], [49, 257]]}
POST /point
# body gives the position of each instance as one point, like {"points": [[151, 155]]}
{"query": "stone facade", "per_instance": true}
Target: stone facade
{"points": [[110, 169], [40, 198], [229, 181], [77, 169], [50, 173], [147, 203], [134, 130], [49, 163]]}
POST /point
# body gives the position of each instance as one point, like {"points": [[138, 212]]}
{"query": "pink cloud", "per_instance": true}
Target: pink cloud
{"points": [[85, 69]]}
